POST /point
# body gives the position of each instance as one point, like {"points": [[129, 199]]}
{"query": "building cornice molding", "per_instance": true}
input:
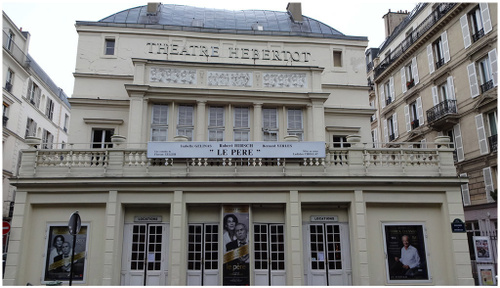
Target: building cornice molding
{"points": [[350, 110]]}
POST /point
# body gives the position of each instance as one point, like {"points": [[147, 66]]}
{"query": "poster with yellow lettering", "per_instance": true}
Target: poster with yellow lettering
{"points": [[236, 270], [59, 249]]}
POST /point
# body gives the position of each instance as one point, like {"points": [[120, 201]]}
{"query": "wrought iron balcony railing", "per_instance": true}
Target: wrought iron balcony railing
{"points": [[436, 15], [439, 63], [492, 140], [439, 111], [486, 86], [478, 35], [414, 124], [8, 86]]}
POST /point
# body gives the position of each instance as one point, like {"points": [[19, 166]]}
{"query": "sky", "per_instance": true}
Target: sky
{"points": [[53, 42]]}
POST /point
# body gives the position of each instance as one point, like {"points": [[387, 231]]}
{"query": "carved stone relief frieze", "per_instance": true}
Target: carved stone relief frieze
{"points": [[172, 75], [238, 79], [284, 80]]}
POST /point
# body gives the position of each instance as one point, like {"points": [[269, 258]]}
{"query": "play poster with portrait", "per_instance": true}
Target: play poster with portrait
{"points": [[482, 248], [236, 266], [59, 247], [405, 248]]}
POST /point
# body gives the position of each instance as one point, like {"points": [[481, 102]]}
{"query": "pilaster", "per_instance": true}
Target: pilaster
{"points": [[359, 241], [294, 227], [136, 118], [257, 122], [177, 269], [200, 121], [111, 247]]}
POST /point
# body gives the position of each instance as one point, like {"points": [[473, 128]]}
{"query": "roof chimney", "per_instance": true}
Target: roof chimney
{"points": [[392, 20], [153, 8], [295, 10]]}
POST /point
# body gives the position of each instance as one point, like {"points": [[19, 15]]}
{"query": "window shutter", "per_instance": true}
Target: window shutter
{"points": [[386, 132], [435, 96], [474, 88], [382, 97], [451, 88], [488, 183], [458, 143], [492, 55], [391, 84], [395, 123], [465, 191], [407, 118], [414, 70], [446, 48], [465, 30], [420, 112], [403, 80], [481, 135], [485, 13], [430, 58]]}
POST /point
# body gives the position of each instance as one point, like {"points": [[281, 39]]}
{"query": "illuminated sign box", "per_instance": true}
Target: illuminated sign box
{"points": [[236, 149]]}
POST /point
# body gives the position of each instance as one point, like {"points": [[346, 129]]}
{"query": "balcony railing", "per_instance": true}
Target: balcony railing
{"points": [[359, 159], [418, 32], [478, 35], [388, 101], [8, 86], [5, 120], [486, 86], [410, 84], [439, 63], [414, 124], [492, 140], [441, 110]]}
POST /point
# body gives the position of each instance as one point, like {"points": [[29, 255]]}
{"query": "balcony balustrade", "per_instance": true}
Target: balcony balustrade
{"points": [[486, 86], [358, 160], [492, 140], [436, 15], [442, 110]]}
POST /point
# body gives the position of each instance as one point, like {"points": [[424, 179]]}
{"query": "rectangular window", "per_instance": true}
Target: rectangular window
{"points": [[34, 94], [10, 41], [47, 139], [5, 114], [101, 138], [270, 126], [337, 58], [9, 79], [216, 123], [295, 123], [241, 124], [30, 128], [476, 24], [414, 115], [159, 122], [437, 47], [485, 75], [66, 122], [109, 46], [410, 82], [49, 109], [340, 142], [185, 121]]}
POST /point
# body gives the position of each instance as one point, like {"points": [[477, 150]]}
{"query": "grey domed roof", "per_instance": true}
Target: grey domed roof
{"points": [[181, 17]]}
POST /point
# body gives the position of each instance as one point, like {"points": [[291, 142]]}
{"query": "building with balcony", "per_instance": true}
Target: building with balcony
{"points": [[33, 106], [217, 147], [436, 74]]}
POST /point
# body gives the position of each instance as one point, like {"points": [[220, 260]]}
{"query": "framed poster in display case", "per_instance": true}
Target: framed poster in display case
{"points": [[58, 254], [486, 275], [482, 248], [405, 247], [236, 267]]}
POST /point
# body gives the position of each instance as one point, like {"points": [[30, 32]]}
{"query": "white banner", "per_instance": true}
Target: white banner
{"points": [[236, 149]]}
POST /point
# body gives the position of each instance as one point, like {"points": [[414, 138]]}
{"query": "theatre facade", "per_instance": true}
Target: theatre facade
{"points": [[216, 147]]}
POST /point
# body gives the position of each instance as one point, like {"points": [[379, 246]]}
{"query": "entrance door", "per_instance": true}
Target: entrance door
{"points": [[269, 254], [328, 255], [144, 260], [203, 255]]}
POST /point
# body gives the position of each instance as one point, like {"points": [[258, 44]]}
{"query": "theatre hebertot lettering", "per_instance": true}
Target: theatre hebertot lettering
{"points": [[217, 147]]}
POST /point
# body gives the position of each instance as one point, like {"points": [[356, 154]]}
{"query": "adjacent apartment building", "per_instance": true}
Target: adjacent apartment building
{"points": [[33, 107], [216, 147], [437, 74]]}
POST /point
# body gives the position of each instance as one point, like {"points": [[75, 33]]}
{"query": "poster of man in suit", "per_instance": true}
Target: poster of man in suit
{"points": [[59, 252], [236, 269]]}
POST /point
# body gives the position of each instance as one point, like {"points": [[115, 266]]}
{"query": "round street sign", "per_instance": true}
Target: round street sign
{"points": [[6, 227], [74, 224]]}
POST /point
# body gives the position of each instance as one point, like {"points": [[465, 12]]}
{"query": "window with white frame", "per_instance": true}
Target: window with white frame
{"points": [[216, 123], [101, 137], [340, 142], [49, 108], [159, 122], [475, 24], [109, 46], [409, 75], [34, 94], [66, 122], [10, 40], [30, 127], [465, 191], [387, 92], [375, 140], [295, 123], [47, 139], [391, 128], [492, 122], [5, 113], [270, 126], [414, 115], [185, 121], [241, 128], [483, 74], [9, 80], [438, 52], [374, 116]]}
